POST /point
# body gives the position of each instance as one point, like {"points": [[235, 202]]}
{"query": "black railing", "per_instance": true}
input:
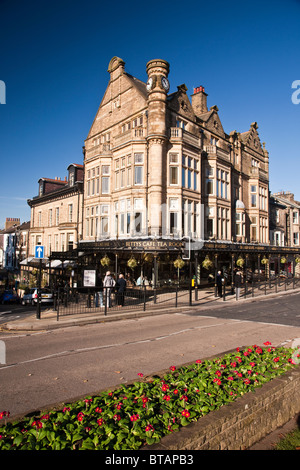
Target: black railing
{"points": [[82, 301], [254, 288]]}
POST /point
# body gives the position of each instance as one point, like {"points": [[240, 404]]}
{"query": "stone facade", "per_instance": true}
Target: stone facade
{"points": [[56, 213], [159, 164], [284, 220]]}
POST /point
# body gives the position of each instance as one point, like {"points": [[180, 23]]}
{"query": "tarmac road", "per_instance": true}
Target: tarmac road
{"points": [[48, 367]]}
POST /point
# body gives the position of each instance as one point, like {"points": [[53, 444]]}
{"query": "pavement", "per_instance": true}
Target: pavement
{"points": [[206, 300]]}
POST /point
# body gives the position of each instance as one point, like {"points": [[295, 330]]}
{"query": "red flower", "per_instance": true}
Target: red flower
{"points": [[198, 361], [186, 413], [166, 397], [37, 424], [276, 359], [184, 397], [247, 381], [172, 368], [66, 408], [176, 391], [218, 381], [134, 417], [4, 413], [258, 350], [149, 428], [117, 417], [140, 374], [230, 378], [100, 421], [98, 410], [80, 416], [252, 364], [218, 373], [267, 343], [165, 387]]}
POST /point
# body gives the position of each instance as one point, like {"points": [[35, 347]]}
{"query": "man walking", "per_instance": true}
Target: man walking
{"points": [[121, 287], [99, 292]]}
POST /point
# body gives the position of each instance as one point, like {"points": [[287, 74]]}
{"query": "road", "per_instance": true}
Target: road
{"points": [[47, 367], [14, 311]]}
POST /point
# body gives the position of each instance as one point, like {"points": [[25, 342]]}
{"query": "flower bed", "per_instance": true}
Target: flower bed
{"points": [[145, 411]]}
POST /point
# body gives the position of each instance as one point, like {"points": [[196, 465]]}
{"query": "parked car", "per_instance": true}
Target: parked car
{"points": [[46, 296], [9, 296], [28, 297]]}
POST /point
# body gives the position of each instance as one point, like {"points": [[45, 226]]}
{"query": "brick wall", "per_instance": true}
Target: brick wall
{"points": [[241, 424]]}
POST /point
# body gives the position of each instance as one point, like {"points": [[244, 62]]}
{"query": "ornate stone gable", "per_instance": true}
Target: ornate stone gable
{"points": [[124, 96], [212, 122], [251, 139], [180, 103]]}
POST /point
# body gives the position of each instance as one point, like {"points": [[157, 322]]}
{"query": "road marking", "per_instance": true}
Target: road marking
{"points": [[114, 345]]}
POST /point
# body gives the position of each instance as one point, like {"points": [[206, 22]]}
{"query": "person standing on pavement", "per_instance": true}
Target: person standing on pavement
{"points": [[121, 287], [238, 283], [99, 292], [108, 285], [219, 283]]}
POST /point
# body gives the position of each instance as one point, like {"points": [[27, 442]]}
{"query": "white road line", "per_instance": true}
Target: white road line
{"points": [[80, 350]]}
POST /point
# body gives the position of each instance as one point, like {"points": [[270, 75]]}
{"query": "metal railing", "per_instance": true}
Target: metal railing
{"points": [[256, 288], [86, 301]]}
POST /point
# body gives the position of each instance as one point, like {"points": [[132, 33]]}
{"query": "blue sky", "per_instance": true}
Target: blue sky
{"points": [[54, 59]]}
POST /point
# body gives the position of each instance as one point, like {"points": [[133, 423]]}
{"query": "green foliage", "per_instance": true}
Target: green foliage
{"points": [[145, 411]]}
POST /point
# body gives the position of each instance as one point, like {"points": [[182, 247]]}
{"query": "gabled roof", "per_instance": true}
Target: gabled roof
{"points": [[251, 138], [212, 121]]}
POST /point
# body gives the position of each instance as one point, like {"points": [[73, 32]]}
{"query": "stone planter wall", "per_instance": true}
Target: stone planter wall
{"points": [[241, 424]]}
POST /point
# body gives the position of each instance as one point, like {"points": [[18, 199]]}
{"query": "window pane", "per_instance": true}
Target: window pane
{"points": [[138, 175], [105, 185], [173, 175]]}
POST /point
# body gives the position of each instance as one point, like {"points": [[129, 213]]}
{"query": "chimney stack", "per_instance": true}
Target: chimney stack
{"points": [[11, 221], [199, 101]]}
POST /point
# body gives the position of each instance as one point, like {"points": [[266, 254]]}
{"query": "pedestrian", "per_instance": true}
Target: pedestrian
{"points": [[238, 283], [121, 288], [99, 292], [219, 283], [108, 285]]}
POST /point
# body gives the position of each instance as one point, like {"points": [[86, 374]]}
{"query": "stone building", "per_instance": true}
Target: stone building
{"points": [[56, 217], [285, 219], [162, 181], [162, 175], [13, 250]]}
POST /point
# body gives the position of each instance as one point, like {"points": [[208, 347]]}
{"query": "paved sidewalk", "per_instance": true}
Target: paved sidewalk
{"points": [[206, 300]]}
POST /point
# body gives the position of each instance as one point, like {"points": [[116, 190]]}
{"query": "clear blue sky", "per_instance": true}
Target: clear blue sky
{"points": [[54, 59]]}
